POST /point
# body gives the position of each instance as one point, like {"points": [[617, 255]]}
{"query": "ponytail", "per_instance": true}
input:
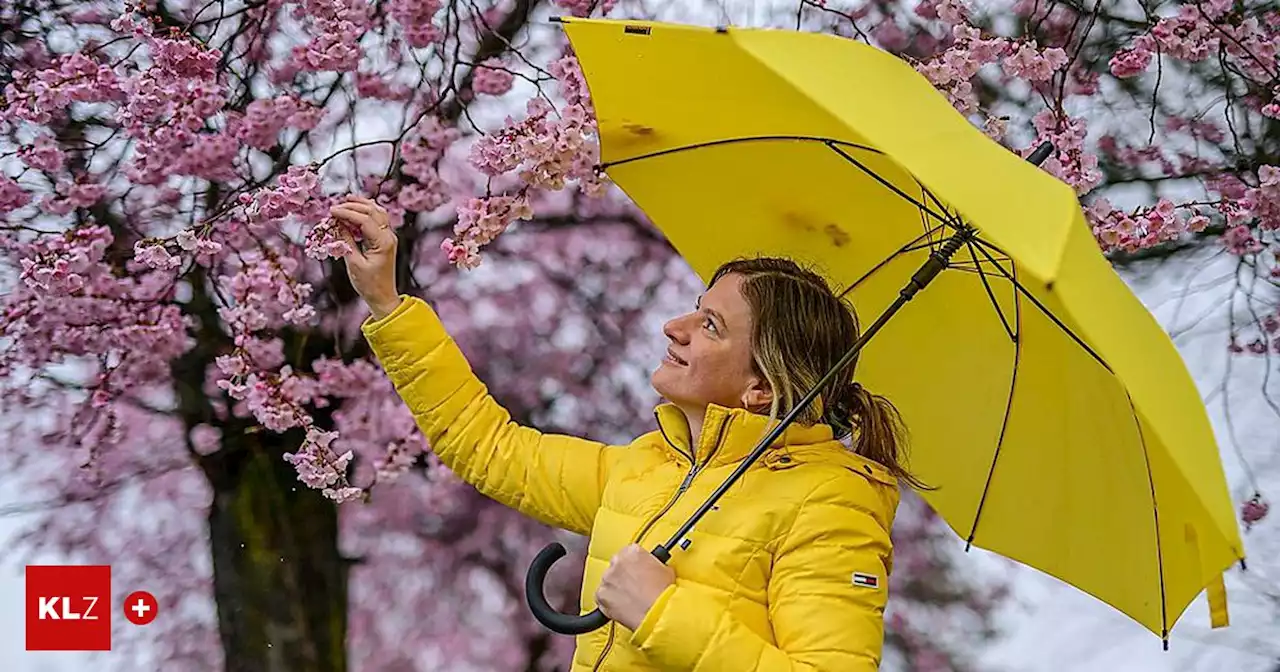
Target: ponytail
{"points": [[878, 431], [800, 330]]}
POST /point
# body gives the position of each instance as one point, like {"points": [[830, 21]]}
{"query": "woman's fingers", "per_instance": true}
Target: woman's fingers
{"points": [[371, 269], [345, 211], [366, 206], [355, 256], [362, 205], [360, 219], [378, 235]]}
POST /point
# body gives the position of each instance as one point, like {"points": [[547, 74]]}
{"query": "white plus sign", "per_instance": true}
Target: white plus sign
{"points": [[141, 608]]}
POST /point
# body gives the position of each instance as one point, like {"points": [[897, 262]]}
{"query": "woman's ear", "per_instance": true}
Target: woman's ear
{"points": [[758, 397]]}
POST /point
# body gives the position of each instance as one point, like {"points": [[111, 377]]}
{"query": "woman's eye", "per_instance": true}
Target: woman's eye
{"points": [[709, 325]]}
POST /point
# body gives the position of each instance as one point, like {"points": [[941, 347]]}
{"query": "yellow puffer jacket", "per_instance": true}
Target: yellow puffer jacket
{"points": [[789, 572]]}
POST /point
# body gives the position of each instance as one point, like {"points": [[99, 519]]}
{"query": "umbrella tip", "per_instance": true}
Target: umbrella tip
{"points": [[1042, 152], [722, 29]]}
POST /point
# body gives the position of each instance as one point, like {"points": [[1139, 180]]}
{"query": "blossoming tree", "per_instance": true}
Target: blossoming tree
{"points": [[184, 384]]}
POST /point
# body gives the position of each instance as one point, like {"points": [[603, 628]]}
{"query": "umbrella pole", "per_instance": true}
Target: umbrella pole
{"points": [[567, 624], [934, 265], [927, 272]]}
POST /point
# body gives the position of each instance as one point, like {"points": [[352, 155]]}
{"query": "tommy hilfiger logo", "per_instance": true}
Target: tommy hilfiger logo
{"points": [[866, 580]]}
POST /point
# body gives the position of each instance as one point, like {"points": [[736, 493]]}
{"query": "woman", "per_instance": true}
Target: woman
{"points": [[788, 572]]}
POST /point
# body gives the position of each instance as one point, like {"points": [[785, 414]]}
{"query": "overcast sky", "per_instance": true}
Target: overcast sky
{"points": [[1058, 628]]}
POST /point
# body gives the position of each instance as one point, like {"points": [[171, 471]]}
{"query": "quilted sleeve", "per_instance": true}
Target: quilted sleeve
{"points": [[827, 595], [553, 478]]}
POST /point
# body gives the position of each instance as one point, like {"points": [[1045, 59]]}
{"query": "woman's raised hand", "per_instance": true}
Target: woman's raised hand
{"points": [[372, 269]]}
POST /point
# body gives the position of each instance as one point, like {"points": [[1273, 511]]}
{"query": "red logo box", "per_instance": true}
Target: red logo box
{"points": [[68, 607]]}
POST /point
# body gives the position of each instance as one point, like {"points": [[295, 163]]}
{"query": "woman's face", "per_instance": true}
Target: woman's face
{"points": [[708, 358]]}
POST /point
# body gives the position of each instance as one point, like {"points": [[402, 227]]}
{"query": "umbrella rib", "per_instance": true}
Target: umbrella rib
{"points": [[936, 201], [829, 142], [915, 244], [727, 141], [1004, 423], [834, 144], [964, 267], [968, 267], [996, 248], [1047, 313], [892, 187], [991, 294], [1155, 511], [925, 245], [924, 222]]}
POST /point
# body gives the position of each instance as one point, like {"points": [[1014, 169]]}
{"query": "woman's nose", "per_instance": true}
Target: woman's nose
{"points": [[675, 331]]}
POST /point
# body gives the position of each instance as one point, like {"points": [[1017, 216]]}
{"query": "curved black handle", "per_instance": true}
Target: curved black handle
{"points": [[565, 624]]}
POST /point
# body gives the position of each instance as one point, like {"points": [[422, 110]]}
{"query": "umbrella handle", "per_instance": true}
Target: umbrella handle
{"points": [[565, 624]]}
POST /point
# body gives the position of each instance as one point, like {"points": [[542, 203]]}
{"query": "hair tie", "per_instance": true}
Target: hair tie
{"points": [[857, 388]]}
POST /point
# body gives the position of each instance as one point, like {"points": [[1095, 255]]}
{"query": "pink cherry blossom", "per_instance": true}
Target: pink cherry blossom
{"points": [[1240, 240], [296, 195], [492, 78], [370, 86], [155, 255], [425, 144], [37, 95], [321, 468], [1134, 60], [953, 70], [205, 438], [481, 220], [1253, 511], [44, 154], [325, 241], [417, 20], [263, 120], [1033, 64], [70, 195], [337, 26], [12, 195], [1263, 201], [585, 7], [424, 197]]}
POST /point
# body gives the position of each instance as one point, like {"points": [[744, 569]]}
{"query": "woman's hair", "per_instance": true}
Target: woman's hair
{"points": [[801, 330]]}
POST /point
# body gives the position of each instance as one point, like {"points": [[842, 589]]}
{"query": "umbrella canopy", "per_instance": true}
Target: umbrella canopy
{"points": [[1044, 402]]}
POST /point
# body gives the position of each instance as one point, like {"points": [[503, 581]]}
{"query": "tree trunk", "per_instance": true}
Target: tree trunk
{"points": [[537, 647], [279, 581], [278, 578]]}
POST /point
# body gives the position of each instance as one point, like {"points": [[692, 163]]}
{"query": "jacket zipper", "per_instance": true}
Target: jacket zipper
{"points": [[694, 469]]}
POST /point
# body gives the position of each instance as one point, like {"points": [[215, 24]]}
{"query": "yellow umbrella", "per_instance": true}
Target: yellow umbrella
{"points": [[1046, 404]]}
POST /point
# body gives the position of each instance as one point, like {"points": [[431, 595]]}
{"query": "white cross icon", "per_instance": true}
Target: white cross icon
{"points": [[141, 608]]}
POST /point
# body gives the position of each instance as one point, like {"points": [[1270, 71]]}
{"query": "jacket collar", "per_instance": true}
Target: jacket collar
{"points": [[730, 434]]}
